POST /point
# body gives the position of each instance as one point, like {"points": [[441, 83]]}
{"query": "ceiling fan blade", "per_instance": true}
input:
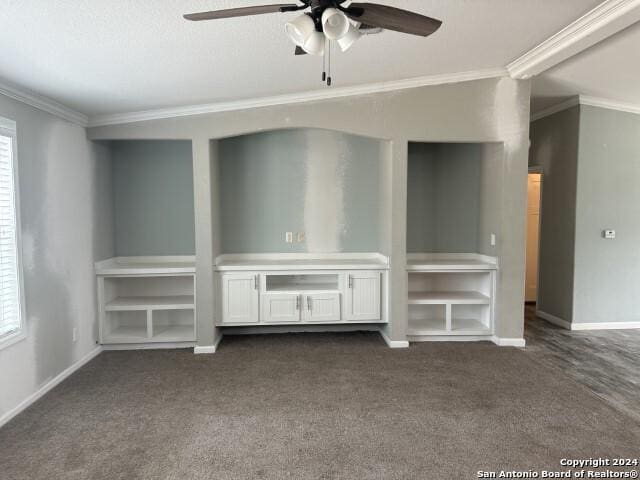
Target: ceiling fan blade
{"points": [[300, 51], [242, 12], [391, 18]]}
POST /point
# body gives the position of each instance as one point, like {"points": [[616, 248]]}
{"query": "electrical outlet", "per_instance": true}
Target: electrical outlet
{"points": [[288, 237], [74, 334], [301, 237], [609, 234], [493, 239]]}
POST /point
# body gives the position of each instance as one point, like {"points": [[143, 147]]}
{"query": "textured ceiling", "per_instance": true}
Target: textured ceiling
{"points": [[609, 70], [102, 57]]}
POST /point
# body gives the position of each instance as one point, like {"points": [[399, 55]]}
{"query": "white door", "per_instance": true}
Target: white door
{"points": [[362, 296], [240, 298], [281, 308], [533, 225], [322, 307]]}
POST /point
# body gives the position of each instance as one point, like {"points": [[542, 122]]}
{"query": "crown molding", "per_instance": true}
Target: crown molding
{"points": [[43, 103], [316, 95], [589, 101], [559, 107], [606, 19], [609, 104]]}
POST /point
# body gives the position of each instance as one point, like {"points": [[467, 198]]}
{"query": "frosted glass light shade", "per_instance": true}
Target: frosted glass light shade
{"points": [[300, 29], [335, 24], [315, 44], [350, 38]]}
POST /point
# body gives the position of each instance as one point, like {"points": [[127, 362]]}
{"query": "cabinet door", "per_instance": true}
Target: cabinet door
{"points": [[280, 308], [240, 298], [322, 307], [362, 296]]}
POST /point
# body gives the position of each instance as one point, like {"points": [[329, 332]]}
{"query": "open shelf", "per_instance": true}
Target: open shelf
{"points": [[127, 334], [173, 333], [175, 302], [302, 283], [453, 297]]}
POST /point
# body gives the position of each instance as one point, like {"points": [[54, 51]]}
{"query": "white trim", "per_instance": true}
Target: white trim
{"points": [[559, 107], [589, 101], [147, 346], [450, 338], [608, 18], [508, 342], [606, 326], [393, 343], [45, 104], [48, 386], [609, 104], [553, 319], [207, 350], [293, 98], [248, 257]]}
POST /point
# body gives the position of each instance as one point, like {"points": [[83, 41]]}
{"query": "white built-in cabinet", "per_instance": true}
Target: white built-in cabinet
{"points": [[300, 295], [146, 300]]}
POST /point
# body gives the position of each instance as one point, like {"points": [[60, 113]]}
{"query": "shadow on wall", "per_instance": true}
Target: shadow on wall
{"points": [[322, 183]]}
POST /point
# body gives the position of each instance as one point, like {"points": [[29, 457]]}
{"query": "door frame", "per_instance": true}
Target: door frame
{"points": [[540, 170]]}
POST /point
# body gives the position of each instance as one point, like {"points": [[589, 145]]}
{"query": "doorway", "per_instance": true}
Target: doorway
{"points": [[534, 190]]}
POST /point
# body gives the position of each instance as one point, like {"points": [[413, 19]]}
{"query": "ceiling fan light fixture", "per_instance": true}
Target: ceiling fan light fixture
{"points": [[352, 35], [300, 29], [335, 24], [314, 45]]}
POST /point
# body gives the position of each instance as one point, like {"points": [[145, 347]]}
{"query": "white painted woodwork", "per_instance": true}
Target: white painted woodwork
{"points": [[450, 303], [146, 300], [301, 261], [240, 298], [281, 308], [321, 307], [533, 228], [362, 297]]}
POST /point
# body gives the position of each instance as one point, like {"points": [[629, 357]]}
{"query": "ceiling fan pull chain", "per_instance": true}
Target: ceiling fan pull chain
{"points": [[329, 62]]}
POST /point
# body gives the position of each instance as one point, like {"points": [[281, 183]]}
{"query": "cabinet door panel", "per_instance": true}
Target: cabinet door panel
{"points": [[322, 307], [240, 298], [363, 296], [280, 308]]}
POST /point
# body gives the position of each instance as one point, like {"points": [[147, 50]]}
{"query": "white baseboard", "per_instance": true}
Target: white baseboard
{"points": [[450, 338], [553, 319], [31, 399], [209, 349], [509, 342], [394, 343], [148, 346], [606, 326]]}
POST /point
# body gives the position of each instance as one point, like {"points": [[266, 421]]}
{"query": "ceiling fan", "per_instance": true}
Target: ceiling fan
{"points": [[328, 20]]}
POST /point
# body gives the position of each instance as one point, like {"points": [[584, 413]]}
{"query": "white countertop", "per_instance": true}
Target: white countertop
{"points": [[301, 262], [146, 266], [435, 262]]}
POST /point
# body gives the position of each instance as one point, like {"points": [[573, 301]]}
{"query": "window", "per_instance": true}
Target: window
{"points": [[11, 318]]}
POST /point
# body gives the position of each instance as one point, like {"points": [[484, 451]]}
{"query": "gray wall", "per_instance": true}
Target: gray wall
{"points": [[323, 183], [443, 198], [65, 209], [607, 272], [554, 147], [492, 110], [153, 197]]}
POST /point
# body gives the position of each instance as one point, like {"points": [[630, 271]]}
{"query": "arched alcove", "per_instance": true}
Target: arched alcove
{"points": [[325, 187]]}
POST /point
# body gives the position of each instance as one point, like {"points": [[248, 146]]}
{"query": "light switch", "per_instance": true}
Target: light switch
{"points": [[493, 239], [288, 237], [609, 234], [301, 237]]}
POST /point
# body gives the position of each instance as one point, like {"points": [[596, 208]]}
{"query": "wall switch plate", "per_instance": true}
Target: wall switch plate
{"points": [[609, 234], [301, 237], [288, 237], [493, 240]]}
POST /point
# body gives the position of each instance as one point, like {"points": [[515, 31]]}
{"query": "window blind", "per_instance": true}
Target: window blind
{"points": [[10, 313]]}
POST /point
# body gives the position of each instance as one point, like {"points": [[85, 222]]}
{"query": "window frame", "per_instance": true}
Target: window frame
{"points": [[8, 128]]}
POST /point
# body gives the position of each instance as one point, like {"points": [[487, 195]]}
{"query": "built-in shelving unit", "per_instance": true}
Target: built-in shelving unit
{"points": [[450, 296], [146, 301]]}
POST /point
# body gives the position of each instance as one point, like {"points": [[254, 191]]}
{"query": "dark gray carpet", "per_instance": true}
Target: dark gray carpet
{"points": [[315, 406]]}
